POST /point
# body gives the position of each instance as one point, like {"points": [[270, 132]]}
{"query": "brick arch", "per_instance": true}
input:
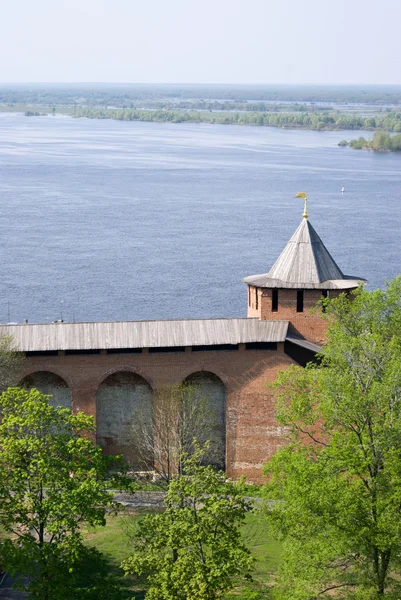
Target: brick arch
{"points": [[51, 383], [124, 369], [185, 373], [213, 389], [121, 395], [54, 370]]}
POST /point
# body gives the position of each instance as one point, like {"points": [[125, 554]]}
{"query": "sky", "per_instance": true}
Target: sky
{"points": [[202, 41]]}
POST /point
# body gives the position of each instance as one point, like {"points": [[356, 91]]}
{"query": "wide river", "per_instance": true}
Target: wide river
{"points": [[109, 220]]}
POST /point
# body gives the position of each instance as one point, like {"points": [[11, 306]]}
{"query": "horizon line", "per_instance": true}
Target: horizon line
{"points": [[177, 83]]}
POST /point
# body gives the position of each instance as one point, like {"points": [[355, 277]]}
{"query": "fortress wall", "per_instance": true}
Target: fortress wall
{"points": [[252, 432], [304, 324]]}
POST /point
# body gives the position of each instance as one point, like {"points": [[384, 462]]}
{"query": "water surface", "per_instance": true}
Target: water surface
{"points": [[109, 220]]}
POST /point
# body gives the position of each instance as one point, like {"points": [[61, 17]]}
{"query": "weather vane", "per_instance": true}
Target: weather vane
{"points": [[304, 196]]}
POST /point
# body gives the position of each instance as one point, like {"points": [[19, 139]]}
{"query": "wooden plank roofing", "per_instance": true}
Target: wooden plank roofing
{"points": [[305, 263], [294, 339], [143, 334]]}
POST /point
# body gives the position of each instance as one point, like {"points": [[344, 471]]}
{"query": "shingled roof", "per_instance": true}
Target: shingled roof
{"points": [[305, 263]]}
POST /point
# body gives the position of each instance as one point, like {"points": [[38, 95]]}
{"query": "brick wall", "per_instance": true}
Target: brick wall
{"points": [[305, 324], [252, 432]]}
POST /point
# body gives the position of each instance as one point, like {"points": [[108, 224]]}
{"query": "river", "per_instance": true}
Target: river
{"points": [[110, 220]]}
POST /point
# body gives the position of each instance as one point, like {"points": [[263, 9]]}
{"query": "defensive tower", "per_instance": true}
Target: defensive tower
{"points": [[303, 273]]}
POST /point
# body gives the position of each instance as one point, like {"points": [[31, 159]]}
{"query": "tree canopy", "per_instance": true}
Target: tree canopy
{"points": [[381, 140], [11, 363], [311, 120], [193, 550], [52, 480], [337, 485]]}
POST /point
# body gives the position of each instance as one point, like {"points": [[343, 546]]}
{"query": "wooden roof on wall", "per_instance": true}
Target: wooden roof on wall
{"points": [[143, 334]]}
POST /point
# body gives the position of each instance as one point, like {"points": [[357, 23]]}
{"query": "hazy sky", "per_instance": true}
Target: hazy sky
{"points": [[188, 41]]}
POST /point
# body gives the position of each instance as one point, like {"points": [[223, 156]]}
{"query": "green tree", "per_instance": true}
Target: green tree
{"points": [[359, 143], [395, 143], [337, 485], [381, 140], [11, 363], [194, 550], [52, 480]]}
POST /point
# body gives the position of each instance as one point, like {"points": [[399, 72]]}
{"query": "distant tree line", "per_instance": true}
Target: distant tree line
{"points": [[381, 141], [315, 121], [118, 94], [230, 105]]}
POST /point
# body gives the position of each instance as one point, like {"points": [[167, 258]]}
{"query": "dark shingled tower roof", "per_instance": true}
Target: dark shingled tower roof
{"points": [[305, 263]]}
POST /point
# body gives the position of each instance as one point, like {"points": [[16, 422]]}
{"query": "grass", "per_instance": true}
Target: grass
{"points": [[113, 541]]}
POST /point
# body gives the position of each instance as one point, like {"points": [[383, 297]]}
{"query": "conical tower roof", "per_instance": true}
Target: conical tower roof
{"points": [[305, 263], [305, 259]]}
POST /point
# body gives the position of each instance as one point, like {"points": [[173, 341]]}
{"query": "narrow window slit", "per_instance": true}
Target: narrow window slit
{"points": [[300, 301], [274, 300]]}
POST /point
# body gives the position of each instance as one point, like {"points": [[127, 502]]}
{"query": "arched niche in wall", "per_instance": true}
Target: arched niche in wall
{"points": [[52, 384], [213, 391], [121, 397]]}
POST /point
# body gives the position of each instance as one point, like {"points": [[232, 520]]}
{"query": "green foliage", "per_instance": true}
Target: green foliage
{"points": [[113, 541], [52, 480], [194, 550], [299, 120], [395, 143], [343, 143], [381, 141], [11, 364], [337, 486], [92, 578], [359, 144]]}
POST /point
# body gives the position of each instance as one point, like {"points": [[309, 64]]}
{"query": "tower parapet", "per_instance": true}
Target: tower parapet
{"points": [[303, 273]]}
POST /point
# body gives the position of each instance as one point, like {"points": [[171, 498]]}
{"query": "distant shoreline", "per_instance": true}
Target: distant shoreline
{"points": [[302, 121], [310, 121]]}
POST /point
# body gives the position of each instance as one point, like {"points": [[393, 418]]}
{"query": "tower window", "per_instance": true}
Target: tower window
{"points": [[274, 300], [249, 295], [256, 298], [300, 301]]}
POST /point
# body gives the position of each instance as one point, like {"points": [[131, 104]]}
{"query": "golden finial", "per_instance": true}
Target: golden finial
{"points": [[304, 196]]}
